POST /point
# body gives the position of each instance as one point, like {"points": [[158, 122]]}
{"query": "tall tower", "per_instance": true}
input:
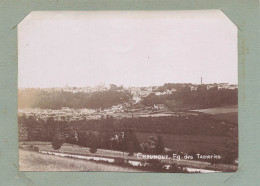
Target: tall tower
{"points": [[201, 80]]}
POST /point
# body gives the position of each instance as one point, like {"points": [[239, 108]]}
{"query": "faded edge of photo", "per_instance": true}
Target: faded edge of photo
{"points": [[119, 52]]}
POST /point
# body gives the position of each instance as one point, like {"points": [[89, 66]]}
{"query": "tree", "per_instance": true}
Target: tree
{"points": [[159, 145], [72, 136], [57, 141], [50, 128], [23, 130], [93, 143], [231, 143], [113, 87], [93, 149]]}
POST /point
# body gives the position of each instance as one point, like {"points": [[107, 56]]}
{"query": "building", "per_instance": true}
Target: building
{"points": [[159, 106]]}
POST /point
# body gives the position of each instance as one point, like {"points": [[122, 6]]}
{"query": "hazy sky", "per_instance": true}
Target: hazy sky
{"points": [[130, 48]]}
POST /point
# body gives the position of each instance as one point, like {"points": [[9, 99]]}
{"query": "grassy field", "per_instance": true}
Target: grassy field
{"points": [[202, 143], [219, 110], [75, 149], [34, 161]]}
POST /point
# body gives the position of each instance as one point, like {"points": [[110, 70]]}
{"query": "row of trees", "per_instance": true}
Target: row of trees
{"points": [[122, 139], [32, 127], [110, 133], [56, 100], [184, 97]]}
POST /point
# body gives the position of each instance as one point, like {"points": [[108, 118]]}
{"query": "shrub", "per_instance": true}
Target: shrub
{"points": [[155, 164], [57, 142], [93, 149]]}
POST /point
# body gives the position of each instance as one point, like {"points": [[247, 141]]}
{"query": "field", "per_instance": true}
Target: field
{"points": [[201, 143], [220, 110], [75, 149], [34, 161]]}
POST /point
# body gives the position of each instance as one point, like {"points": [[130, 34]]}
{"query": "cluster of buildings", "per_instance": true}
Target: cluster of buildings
{"points": [[217, 85], [138, 92], [70, 114], [67, 114], [67, 88]]}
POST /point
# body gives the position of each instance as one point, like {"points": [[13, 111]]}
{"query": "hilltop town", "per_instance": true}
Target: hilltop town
{"points": [[133, 107]]}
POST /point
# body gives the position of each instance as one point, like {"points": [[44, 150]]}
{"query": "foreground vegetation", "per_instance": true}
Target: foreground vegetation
{"points": [[105, 156], [181, 134], [33, 161]]}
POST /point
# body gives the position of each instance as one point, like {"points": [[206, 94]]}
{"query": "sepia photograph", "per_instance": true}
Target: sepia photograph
{"points": [[128, 91]]}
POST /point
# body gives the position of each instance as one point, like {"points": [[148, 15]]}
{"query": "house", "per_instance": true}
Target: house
{"points": [[117, 108], [87, 111], [66, 109], [158, 106]]}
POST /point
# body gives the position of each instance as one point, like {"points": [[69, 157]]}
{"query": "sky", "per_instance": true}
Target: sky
{"points": [[129, 48]]}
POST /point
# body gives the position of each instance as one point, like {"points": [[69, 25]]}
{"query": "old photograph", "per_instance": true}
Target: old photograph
{"points": [[128, 91]]}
